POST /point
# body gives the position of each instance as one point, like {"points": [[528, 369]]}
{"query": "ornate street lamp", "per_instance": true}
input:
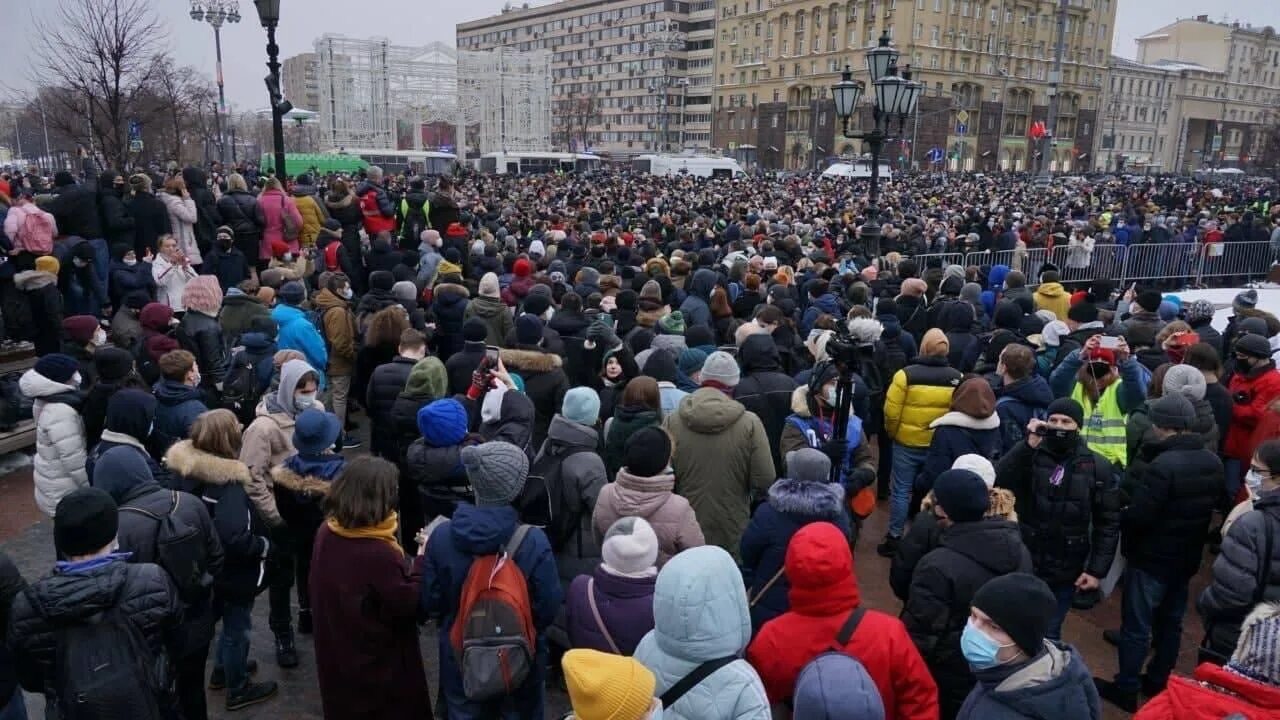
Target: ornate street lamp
{"points": [[269, 15], [217, 12]]}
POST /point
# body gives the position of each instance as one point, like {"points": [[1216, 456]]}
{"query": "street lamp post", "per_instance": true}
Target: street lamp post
{"points": [[216, 12], [666, 41], [269, 14], [895, 97]]}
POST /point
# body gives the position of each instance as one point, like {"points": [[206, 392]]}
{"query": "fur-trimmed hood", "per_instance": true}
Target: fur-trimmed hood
{"points": [[530, 360], [809, 499], [650, 318], [452, 289], [800, 401], [959, 419], [306, 484], [34, 279], [185, 460], [1001, 504]]}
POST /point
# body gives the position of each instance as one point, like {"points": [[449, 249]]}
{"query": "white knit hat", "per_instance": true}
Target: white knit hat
{"points": [[630, 546], [978, 465]]}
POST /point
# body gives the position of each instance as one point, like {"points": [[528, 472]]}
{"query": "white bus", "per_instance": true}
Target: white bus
{"points": [[395, 162], [529, 163], [695, 165], [857, 168]]}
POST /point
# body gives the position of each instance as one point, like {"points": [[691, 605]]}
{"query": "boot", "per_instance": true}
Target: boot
{"points": [[889, 547], [250, 694], [286, 651], [218, 678], [304, 621], [1126, 700]]}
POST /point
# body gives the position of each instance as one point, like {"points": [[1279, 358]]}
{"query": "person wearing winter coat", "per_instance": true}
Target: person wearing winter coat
{"points": [[497, 472], [700, 614], [960, 338], [171, 270], [207, 467], [115, 372], [805, 495], [92, 580], [117, 223], [696, 307], [1108, 384], [130, 415], [208, 217], [1022, 674], [919, 394], [449, 305], [241, 312], [224, 260], [313, 215], [150, 216], [972, 549], [58, 469], [488, 308], [1242, 575], [40, 287], [277, 208], [297, 332], [1021, 394], [124, 474], [385, 385], [1199, 315], [835, 686], [180, 399], [1068, 507], [126, 275], [427, 383], [640, 406], [572, 436], [821, 302], [241, 212], [433, 462], [824, 596], [765, 390], [23, 209], [201, 334], [1254, 385], [13, 706], [183, 216], [343, 206], [463, 363], [379, 211], [545, 383], [339, 331], [1181, 380], [1051, 296], [610, 608], [721, 457], [971, 427]]}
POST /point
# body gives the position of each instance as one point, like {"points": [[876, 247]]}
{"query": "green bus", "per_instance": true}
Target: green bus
{"points": [[323, 163]]}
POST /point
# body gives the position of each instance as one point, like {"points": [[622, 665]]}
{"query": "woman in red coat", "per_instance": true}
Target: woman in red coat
{"points": [[824, 594], [364, 598]]}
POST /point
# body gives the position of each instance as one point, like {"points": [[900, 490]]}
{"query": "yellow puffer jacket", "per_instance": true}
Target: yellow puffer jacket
{"points": [[312, 219], [920, 393]]}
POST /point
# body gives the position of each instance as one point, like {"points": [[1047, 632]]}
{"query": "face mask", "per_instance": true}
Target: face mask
{"points": [[830, 396], [288, 257], [79, 263], [99, 339], [1253, 481], [1059, 442], [1099, 370], [132, 262], [305, 401], [347, 293], [75, 380], [980, 650], [195, 381], [1243, 366]]}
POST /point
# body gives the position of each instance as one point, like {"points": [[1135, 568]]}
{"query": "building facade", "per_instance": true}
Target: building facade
{"points": [[628, 76], [985, 64], [302, 80]]}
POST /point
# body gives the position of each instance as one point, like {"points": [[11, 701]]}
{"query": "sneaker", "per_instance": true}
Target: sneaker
{"points": [[889, 547], [349, 441], [304, 621], [286, 651], [218, 679], [251, 694], [1126, 700]]}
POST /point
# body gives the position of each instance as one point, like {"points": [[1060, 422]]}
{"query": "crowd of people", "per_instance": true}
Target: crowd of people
{"points": [[623, 434]]}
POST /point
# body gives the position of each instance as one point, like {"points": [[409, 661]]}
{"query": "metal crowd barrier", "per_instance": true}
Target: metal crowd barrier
{"points": [[1028, 262], [1236, 259], [946, 258]]}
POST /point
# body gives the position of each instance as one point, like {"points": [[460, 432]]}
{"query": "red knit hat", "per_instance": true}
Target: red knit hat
{"points": [[279, 248], [1106, 355], [456, 230], [1078, 297], [80, 328], [522, 267]]}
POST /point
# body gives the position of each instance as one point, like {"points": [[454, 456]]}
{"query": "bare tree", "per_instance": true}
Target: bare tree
{"points": [[575, 116], [104, 52]]}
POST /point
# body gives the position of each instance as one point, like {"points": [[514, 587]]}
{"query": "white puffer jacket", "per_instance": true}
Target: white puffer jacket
{"points": [[60, 450]]}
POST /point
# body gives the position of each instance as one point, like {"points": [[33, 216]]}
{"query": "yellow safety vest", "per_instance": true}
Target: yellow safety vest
{"points": [[1104, 424]]}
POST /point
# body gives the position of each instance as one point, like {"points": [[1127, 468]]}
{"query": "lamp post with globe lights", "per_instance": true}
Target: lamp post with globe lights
{"points": [[216, 13], [269, 15], [895, 98]]}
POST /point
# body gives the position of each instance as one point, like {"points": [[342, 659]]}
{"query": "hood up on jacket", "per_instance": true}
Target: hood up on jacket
{"points": [[759, 353], [184, 459], [481, 530], [700, 606], [807, 499], [1033, 390], [642, 496], [708, 411], [819, 568], [702, 283], [34, 385], [565, 432], [993, 544], [290, 375], [122, 472]]}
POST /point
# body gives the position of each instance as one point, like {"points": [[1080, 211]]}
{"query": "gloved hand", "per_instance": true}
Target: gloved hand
{"points": [[835, 450], [861, 478], [602, 335]]}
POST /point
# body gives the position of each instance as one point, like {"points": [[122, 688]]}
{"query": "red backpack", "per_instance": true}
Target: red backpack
{"points": [[493, 638], [331, 256]]}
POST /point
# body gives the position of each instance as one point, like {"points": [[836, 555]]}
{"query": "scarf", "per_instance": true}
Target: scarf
{"points": [[384, 531]]}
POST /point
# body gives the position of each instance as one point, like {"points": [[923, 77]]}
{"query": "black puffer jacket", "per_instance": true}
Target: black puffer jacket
{"points": [[439, 476], [150, 221], [240, 212], [11, 583], [942, 588], [1069, 527], [765, 390], [544, 382], [1168, 514], [117, 223], [75, 208], [461, 365], [202, 336], [449, 305], [404, 422], [208, 218], [141, 592], [1239, 568], [385, 385]]}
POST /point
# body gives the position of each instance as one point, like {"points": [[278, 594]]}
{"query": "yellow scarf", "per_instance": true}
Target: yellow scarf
{"points": [[384, 531]]}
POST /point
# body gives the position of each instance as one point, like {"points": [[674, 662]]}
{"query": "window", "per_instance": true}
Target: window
{"points": [[933, 61], [935, 35], [775, 121], [937, 5], [918, 31]]}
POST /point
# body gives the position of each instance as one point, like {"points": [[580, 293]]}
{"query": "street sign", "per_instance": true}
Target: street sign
{"points": [[135, 146], [935, 155], [135, 130], [962, 117], [961, 129], [1217, 143]]}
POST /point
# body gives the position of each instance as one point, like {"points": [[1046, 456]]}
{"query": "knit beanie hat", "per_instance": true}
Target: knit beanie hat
{"points": [[474, 330], [721, 367], [1066, 406], [648, 451], [528, 329], [292, 293], [1022, 605], [603, 686], [808, 465], [85, 521], [57, 367], [836, 686], [691, 360], [1199, 310], [1257, 654], [80, 329], [1186, 381], [1171, 412], [1245, 299], [962, 494], [489, 286], [978, 465], [581, 405], [405, 291], [497, 471], [1085, 312], [626, 300], [1008, 315], [112, 363], [699, 336], [442, 422], [1253, 345], [651, 291], [1149, 300], [630, 546]]}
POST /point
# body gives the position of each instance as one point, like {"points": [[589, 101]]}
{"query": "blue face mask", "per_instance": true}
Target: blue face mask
{"points": [[978, 648]]}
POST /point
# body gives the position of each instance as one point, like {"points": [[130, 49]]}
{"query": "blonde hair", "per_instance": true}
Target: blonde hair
{"points": [[217, 432], [934, 344], [273, 183], [235, 181], [174, 185]]}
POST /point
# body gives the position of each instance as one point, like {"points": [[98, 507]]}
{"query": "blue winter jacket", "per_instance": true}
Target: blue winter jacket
{"points": [[177, 408], [700, 614], [1016, 404], [826, 303], [298, 333], [1056, 684], [791, 505], [695, 307], [956, 434]]}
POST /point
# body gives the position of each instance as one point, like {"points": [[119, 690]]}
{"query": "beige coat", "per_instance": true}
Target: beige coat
{"points": [[268, 441], [654, 499]]}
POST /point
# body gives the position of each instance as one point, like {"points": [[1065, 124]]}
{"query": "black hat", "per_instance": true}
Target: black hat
{"points": [[962, 494], [886, 307], [1172, 412], [84, 522], [951, 285], [452, 255], [1066, 406], [381, 280], [1008, 315], [1022, 605], [112, 363], [474, 330], [1083, 312], [1253, 346], [626, 300], [1149, 300], [696, 335], [136, 299], [536, 303], [293, 293], [647, 451], [528, 329]]}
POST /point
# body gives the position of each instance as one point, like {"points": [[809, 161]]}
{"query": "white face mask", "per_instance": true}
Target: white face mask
{"points": [[288, 257], [99, 338], [347, 293], [1253, 481], [131, 261], [79, 263], [75, 380], [304, 401]]}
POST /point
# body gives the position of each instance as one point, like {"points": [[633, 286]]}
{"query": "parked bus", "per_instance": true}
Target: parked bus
{"points": [[695, 165], [856, 168], [397, 162], [322, 163], [533, 163]]}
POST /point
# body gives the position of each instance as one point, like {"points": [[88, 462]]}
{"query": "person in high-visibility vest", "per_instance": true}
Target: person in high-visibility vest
{"points": [[1108, 384]]}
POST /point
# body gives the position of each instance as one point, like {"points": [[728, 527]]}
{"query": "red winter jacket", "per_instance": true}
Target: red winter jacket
{"points": [[823, 592], [1261, 386], [1189, 699]]}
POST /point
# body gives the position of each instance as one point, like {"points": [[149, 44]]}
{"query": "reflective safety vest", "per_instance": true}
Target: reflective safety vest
{"points": [[1104, 424]]}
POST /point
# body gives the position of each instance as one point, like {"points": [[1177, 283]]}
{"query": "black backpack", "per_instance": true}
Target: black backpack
{"points": [[106, 670], [181, 551], [542, 502], [240, 389], [15, 309], [414, 222]]}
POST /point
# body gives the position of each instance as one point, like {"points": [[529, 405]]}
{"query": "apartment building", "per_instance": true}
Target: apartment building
{"points": [[986, 66], [628, 76], [301, 77]]}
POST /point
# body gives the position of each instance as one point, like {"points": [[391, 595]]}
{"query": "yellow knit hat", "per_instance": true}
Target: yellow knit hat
{"points": [[607, 687], [49, 264]]}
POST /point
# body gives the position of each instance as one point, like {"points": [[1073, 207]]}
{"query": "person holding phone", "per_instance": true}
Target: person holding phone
{"points": [[1108, 384]]}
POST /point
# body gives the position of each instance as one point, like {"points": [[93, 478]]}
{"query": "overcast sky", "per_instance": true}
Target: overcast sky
{"points": [[413, 22]]}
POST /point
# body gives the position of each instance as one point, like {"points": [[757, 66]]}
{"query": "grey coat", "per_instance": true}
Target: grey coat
{"points": [[1237, 571], [583, 475]]}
